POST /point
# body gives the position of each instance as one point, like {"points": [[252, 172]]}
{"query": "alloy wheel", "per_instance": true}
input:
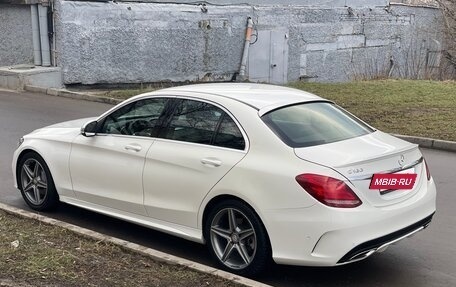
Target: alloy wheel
{"points": [[233, 238], [34, 181]]}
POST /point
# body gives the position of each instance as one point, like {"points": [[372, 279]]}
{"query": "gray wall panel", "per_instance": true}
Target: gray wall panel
{"points": [[15, 35]]}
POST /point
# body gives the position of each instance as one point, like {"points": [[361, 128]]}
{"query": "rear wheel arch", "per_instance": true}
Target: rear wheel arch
{"points": [[262, 257], [227, 197], [221, 198]]}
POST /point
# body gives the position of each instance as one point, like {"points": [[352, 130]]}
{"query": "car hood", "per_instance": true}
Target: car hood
{"points": [[73, 126]]}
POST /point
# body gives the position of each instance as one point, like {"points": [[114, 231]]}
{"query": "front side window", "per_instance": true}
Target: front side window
{"points": [[139, 118], [315, 123], [202, 123]]}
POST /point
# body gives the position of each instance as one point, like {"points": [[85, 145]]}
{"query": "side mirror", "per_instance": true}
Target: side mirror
{"points": [[89, 129]]}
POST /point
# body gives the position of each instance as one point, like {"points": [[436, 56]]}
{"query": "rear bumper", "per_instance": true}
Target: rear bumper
{"points": [[370, 247], [322, 236]]}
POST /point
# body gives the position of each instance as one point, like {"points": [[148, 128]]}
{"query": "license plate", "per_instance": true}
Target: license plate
{"points": [[393, 181]]}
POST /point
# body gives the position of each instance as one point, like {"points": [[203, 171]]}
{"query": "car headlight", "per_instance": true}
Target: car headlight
{"points": [[21, 140]]}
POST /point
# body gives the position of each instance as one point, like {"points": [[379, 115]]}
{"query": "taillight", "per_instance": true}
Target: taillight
{"points": [[329, 191], [428, 172]]}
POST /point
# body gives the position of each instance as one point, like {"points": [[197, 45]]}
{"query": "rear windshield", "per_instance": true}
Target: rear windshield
{"points": [[314, 123]]}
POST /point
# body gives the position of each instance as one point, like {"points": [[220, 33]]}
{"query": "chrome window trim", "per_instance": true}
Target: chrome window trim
{"points": [[243, 151], [171, 97]]}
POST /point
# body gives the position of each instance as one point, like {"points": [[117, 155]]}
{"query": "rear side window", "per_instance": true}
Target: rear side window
{"points": [[203, 123], [312, 124], [228, 134], [194, 122]]}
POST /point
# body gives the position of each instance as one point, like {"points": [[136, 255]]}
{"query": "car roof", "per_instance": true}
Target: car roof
{"points": [[258, 96]]}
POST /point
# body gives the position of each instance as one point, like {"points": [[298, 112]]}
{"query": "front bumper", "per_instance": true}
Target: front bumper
{"points": [[14, 166]]}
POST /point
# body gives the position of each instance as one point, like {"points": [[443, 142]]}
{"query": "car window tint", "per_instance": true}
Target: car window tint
{"points": [[193, 121], [229, 135], [139, 118], [314, 124]]}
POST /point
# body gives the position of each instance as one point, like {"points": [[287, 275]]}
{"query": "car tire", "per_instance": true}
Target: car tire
{"points": [[35, 182], [237, 239]]}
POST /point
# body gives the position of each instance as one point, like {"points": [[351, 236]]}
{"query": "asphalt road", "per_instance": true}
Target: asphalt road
{"points": [[427, 259]]}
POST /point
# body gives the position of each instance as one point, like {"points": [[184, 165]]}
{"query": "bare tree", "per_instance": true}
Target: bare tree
{"points": [[449, 11]]}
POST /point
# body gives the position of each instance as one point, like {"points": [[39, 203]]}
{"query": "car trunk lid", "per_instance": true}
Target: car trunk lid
{"points": [[358, 159]]}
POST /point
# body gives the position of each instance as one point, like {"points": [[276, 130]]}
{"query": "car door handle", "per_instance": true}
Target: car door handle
{"points": [[133, 147], [211, 161]]}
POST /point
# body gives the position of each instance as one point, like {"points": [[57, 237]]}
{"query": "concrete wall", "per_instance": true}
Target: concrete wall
{"points": [[319, 3], [15, 35], [366, 44], [126, 42], [145, 42]]}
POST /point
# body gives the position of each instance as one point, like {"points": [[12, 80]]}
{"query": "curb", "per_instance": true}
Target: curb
{"points": [[422, 142], [10, 283], [430, 143], [152, 253], [72, 95]]}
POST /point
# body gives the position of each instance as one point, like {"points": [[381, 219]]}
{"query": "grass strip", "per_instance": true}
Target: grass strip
{"points": [[36, 254]]}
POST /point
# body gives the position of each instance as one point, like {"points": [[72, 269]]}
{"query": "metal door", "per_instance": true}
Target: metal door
{"points": [[268, 57]]}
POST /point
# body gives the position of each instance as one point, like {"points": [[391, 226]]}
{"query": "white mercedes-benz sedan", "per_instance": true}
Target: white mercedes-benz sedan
{"points": [[257, 172]]}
